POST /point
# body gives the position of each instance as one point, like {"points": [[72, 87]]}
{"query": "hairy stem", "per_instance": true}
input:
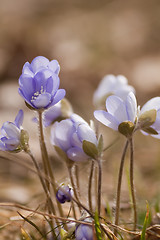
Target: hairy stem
{"points": [[46, 162], [117, 210], [90, 187], [99, 185], [132, 184], [73, 186]]}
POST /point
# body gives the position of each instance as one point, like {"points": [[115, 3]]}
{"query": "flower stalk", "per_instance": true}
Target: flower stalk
{"points": [[46, 162], [117, 210], [132, 183], [90, 186]]}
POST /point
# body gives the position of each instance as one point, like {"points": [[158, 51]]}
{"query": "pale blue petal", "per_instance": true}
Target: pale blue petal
{"points": [[27, 70], [107, 119], [116, 107], [77, 119], [131, 107], [27, 85], [38, 63], [11, 130], [10, 141], [42, 100], [76, 154], [84, 132], [75, 141], [60, 94], [19, 118], [63, 133], [156, 124], [54, 66], [153, 103], [52, 114]]}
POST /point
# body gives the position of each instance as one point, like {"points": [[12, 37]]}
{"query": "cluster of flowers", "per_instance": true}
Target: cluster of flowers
{"points": [[39, 87]]}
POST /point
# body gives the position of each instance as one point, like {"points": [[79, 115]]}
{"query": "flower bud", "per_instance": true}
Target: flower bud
{"points": [[64, 193]]}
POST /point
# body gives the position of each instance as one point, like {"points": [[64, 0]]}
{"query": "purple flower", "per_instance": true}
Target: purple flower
{"points": [[112, 85], [84, 231], [124, 115], [69, 135], [64, 193], [39, 83], [118, 111], [11, 133]]}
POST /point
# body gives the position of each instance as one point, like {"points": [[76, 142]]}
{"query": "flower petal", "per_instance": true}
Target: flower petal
{"points": [[63, 133], [107, 119], [59, 95], [153, 103], [116, 107], [27, 70], [42, 100], [19, 118], [76, 154], [11, 130], [38, 63], [131, 107], [54, 66], [52, 114], [84, 132]]}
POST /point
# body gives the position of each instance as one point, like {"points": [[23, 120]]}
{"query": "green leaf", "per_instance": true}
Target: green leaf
{"points": [[150, 130], [90, 149], [97, 227], [147, 118], [126, 128], [24, 139], [145, 224], [100, 145]]}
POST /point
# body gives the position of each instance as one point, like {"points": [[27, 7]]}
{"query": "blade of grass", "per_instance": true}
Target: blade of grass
{"points": [[146, 220], [33, 224], [97, 227]]}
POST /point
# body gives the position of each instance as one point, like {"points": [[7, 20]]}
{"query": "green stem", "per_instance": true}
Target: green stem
{"points": [[77, 179], [46, 162], [132, 184], [117, 210], [90, 187], [73, 186], [99, 185]]}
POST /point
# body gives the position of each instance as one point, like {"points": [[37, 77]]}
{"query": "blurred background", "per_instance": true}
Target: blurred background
{"points": [[89, 39]]}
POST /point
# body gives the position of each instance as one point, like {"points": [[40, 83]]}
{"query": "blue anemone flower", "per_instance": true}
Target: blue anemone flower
{"points": [[69, 135], [11, 133], [39, 83]]}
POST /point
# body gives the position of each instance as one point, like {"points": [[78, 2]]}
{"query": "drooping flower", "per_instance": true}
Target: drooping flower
{"points": [[124, 115], [112, 85], [11, 134], [84, 231], [39, 83], [64, 193], [69, 135]]}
